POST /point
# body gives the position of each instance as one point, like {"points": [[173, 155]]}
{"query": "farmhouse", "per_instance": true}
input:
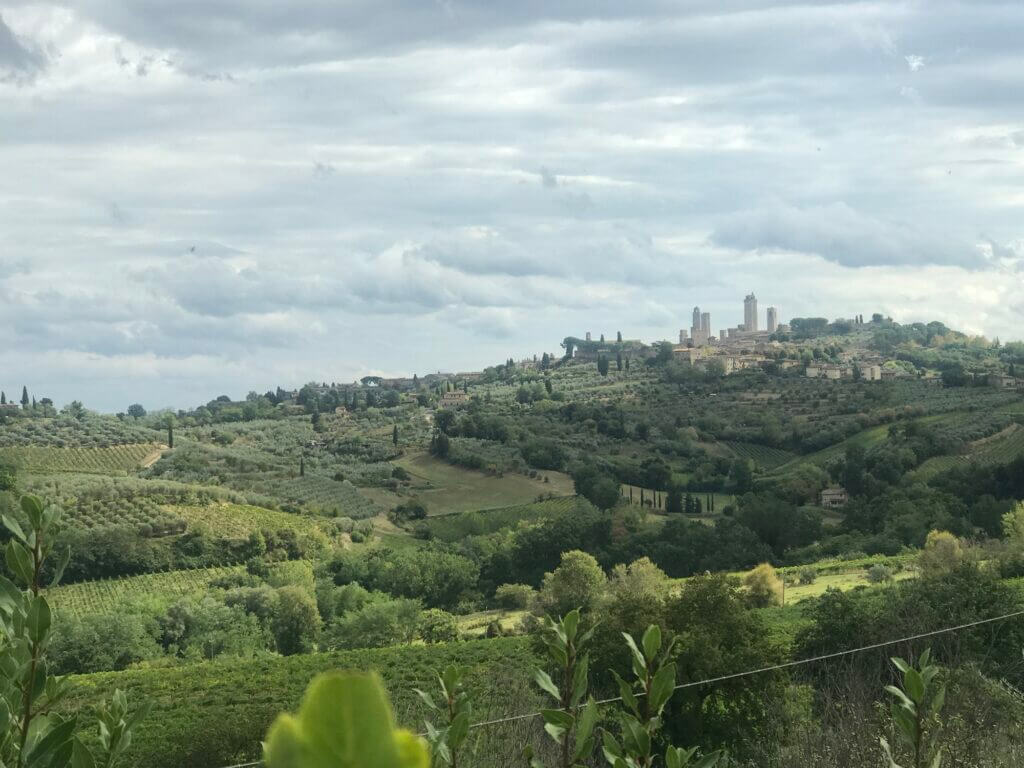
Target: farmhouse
{"points": [[1005, 382], [870, 372], [455, 399], [834, 497]]}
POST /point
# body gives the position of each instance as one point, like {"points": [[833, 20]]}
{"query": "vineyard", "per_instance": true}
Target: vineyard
{"points": [[216, 713], [1000, 449], [866, 439], [761, 455], [112, 460], [237, 521], [456, 527], [111, 595], [92, 431]]}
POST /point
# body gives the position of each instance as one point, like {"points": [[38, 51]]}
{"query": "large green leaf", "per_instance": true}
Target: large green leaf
{"points": [[345, 721], [38, 621]]}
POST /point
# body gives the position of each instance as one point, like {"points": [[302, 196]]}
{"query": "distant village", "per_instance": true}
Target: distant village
{"points": [[773, 346]]}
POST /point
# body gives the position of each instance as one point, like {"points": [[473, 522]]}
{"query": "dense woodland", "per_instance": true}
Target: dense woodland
{"points": [[220, 557]]}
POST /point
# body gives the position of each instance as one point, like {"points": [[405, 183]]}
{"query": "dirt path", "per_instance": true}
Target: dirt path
{"points": [[152, 458]]}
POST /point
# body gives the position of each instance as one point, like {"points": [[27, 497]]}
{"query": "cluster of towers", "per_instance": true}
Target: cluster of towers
{"points": [[700, 330]]}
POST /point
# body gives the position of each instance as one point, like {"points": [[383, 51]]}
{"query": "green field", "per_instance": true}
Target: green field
{"points": [[216, 713], [445, 488], [112, 460], [456, 527], [111, 595]]}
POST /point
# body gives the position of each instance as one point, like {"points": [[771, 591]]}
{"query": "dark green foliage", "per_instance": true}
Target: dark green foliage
{"points": [[716, 632], [100, 642], [437, 577], [911, 607], [544, 454], [595, 486]]}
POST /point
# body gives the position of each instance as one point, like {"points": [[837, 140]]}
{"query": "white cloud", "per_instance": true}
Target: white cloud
{"points": [[914, 62]]}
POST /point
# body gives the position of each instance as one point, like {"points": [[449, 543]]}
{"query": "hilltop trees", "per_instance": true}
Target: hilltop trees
{"points": [[578, 581]]}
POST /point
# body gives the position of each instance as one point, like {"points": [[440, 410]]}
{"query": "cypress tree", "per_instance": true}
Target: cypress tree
{"points": [[24, 397], [394, 435], [618, 336], [302, 466], [3, 398]]}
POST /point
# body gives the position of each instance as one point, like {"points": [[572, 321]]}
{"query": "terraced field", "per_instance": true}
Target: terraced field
{"points": [[111, 595], [112, 460]]}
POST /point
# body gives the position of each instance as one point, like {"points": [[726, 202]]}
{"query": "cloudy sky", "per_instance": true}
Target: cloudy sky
{"points": [[213, 196]]}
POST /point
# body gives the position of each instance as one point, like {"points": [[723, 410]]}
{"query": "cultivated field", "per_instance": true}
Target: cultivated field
{"points": [[111, 460], [447, 488], [239, 520], [112, 595], [216, 714]]}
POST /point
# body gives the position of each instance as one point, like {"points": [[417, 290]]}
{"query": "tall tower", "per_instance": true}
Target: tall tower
{"points": [[773, 319], [750, 312], [696, 318]]}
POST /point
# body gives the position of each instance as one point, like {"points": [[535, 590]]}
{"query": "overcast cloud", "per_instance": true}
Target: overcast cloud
{"points": [[213, 196]]}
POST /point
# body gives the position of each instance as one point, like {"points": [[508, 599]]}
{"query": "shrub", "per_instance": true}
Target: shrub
{"points": [[942, 553], [514, 596], [437, 626], [578, 581], [807, 576], [879, 574], [764, 587]]}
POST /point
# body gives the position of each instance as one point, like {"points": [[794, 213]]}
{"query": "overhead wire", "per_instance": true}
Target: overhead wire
{"points": [[750, 672]]}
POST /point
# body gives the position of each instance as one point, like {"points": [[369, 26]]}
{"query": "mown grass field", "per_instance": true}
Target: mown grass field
{"points": [[445, 488], [112, 595], [110, 460], [215, 714]]}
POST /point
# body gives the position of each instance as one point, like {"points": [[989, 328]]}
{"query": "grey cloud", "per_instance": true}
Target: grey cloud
{"points": [[547, 178], [18, 58], [839, 233]]}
